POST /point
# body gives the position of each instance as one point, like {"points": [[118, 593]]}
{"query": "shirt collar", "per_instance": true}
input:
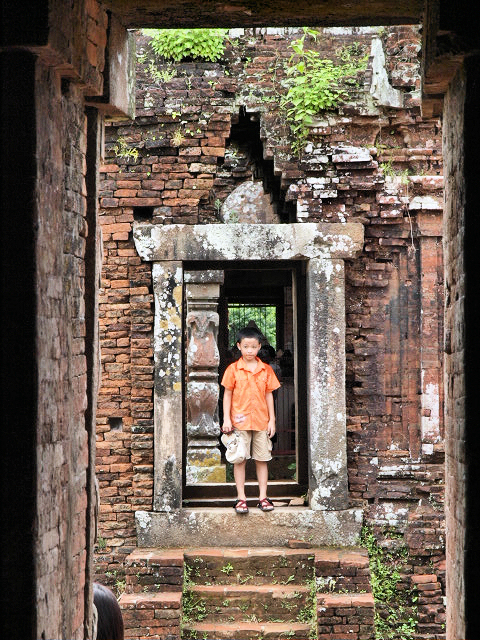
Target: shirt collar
{"points": [[241, 364]]}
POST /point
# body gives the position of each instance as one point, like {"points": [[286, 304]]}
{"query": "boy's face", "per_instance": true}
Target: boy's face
{"points": [[249, 347]]}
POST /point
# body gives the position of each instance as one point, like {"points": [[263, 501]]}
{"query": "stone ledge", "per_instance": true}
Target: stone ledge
{"points": [[223, 527], [170, 600]]}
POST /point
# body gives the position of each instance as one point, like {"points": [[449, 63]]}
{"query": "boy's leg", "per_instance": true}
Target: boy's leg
{"points": [[239, 475], [262, 477], [262, 453]]}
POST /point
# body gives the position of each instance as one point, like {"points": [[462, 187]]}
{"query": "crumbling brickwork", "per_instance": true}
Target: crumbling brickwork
{"points": [[370, 163], [53, 60], [63, 440]]}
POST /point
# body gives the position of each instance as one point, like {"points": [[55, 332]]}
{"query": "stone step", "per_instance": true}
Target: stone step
{"points": [[227, 503], [154, 570], [342, 570], [245, 631], [257, 565], [219, 527], [242, 593], [266, 602]]}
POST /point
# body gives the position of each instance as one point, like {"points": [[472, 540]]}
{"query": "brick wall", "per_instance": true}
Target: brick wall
{"points": [[375, 165], [62, 448], [53, 370], [455, 317]]}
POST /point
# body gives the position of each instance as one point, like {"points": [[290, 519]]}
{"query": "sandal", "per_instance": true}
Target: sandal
{"points": [[265, 505], [240, 506]]}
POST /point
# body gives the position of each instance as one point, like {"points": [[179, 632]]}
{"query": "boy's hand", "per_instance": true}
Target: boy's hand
{"points": [[227, 426], [271, 429]]}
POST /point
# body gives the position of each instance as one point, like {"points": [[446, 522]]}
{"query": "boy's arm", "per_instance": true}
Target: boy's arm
{"points": [[271, 414], [227, 406]]}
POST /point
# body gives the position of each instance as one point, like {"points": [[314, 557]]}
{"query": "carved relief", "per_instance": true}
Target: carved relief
{"points": [[203, 429]]}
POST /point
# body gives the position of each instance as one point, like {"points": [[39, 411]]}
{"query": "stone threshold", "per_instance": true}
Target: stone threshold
{"points": [[197, 527]]}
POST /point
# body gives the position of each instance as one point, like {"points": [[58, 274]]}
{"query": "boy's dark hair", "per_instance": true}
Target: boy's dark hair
{"points": [[249, 332]]}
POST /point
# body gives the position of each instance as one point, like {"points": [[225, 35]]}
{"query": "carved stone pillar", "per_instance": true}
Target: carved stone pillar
{"points": [[203, 460]]}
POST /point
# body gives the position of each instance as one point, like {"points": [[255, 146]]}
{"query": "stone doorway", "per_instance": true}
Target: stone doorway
{"points": [[322, 249]]}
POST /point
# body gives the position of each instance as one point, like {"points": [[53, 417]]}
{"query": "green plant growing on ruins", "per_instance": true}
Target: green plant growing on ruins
{"points": [[227, 568], [387, 169], [101, 543], [245, 579], [119, 581], [308, 615], [188, 44], [315, 84], [218, 205], [161, 75], [231, 217], [283, 562], [286, 604], [326, 584], [252, 618], [194, 609], [395, 609], [177, 137], [122, 150]]}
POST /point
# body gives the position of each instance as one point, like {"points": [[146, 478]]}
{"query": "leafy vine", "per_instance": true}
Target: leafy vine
{"points": [[316, 84]]}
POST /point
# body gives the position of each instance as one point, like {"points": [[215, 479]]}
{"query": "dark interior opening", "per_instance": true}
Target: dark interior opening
{"points": [[254, 286], [116, 424], [142, 213], [245, 153]]}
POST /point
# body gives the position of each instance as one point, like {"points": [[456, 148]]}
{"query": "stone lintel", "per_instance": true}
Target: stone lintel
{"points": [[298, 241], [198, 527]]}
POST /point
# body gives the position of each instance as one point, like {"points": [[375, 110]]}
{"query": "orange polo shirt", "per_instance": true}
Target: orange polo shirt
{"points": [[249, 390]]}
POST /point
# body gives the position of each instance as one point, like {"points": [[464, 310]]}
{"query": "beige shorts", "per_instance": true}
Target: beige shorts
{"points": [[260, 443]]}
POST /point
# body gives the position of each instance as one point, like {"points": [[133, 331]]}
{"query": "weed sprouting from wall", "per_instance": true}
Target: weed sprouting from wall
{"points": [[395, 608], [316, 84]]}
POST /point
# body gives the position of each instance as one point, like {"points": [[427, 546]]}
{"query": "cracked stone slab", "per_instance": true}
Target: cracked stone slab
{"points": [[242, 241], [223, 527]]}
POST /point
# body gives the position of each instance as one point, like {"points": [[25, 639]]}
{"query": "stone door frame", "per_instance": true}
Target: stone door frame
{"points": [[323, 247]]}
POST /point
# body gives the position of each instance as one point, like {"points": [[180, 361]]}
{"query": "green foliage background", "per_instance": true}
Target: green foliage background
{"points": [[264, 317], [183, 44]]}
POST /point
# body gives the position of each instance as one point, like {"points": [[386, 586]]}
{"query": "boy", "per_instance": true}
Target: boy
{"points": [[248, 407]]}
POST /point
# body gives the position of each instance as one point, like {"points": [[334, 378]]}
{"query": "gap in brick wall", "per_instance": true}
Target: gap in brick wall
{"points": [[116, 424], [245, 157], [142, 213]]}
